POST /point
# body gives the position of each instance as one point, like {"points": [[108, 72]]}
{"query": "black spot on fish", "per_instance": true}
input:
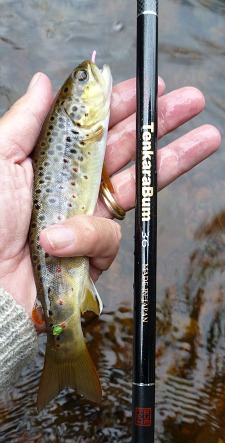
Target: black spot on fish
{"points": [[74, 108], [43, 143], [46, 164], [38, 267], [41, 174], [86, 177], [80, 158], [37, 207], [73, 151], [66, 89], [68, 139], [65, 160], [50, 312], [38, 191], [72, 115]]}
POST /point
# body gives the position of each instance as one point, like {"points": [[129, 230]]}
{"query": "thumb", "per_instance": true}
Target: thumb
{"points": [[82, 235]]}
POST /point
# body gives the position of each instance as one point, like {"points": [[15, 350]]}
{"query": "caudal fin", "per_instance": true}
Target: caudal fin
{"points": [[78, 373]]}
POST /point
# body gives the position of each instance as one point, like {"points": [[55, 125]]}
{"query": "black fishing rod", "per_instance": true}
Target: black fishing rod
{"points": [[143, 401]]}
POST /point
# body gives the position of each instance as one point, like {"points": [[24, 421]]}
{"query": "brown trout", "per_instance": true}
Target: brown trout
{"points": [[68, 161]]}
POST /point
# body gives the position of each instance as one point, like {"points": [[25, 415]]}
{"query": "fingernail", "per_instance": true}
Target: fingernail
{"points": [[34, 80], [59, 237]]}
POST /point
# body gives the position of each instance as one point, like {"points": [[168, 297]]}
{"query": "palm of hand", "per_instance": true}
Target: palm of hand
{"points": [[16, 201]]}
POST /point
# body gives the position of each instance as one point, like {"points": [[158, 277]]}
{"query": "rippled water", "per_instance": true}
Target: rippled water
{"points": [[190, 368]]}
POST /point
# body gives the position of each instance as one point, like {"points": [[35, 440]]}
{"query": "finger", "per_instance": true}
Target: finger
{"points": [[123, 101], [27, 114], [82, 236], [186, 152], [172, 161], [177, 107], [98, 265], [174, 109]]}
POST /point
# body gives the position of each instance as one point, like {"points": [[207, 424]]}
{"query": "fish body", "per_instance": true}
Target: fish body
{"points": [[67, 162]]}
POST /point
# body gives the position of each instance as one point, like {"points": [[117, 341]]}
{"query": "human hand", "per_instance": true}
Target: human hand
{"points": [[96, 236]]}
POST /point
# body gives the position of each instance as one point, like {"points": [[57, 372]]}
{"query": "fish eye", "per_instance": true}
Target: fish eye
{"points": [[81, 75]]}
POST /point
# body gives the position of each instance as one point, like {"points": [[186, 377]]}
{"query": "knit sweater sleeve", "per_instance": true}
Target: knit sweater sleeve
{"points": [[18, 340]]}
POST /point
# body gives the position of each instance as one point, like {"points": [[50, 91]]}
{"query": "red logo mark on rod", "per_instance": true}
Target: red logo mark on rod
{"points": [[143, 416]]}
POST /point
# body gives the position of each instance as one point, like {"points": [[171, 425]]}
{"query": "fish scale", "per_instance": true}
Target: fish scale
{"points": [[68, 160]]}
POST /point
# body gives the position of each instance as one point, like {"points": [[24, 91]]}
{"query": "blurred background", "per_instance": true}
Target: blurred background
{"points": [[53, 37]]}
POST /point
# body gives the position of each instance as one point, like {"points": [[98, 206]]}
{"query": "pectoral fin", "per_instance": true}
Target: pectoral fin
{"points": [[106, 179], [91, 299]]}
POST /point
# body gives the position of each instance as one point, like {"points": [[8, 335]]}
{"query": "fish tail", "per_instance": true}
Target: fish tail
{"points": [[77, 372]]}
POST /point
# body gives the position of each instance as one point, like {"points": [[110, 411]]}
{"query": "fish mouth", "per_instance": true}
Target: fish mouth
{"points": [[103, 76], [106, 74]]}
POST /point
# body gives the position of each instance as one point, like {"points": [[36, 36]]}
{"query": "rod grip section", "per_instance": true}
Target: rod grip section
{"points": [[143, 413]]}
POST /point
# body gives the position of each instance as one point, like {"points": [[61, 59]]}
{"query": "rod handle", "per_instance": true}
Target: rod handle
{"points": [[143, 412]]}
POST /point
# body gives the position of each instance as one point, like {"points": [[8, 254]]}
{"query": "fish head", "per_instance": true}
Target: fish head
{"points": [[87, 94]]}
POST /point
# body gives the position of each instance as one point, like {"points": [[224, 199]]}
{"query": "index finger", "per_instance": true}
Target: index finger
{"points": [[20, 126]]}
